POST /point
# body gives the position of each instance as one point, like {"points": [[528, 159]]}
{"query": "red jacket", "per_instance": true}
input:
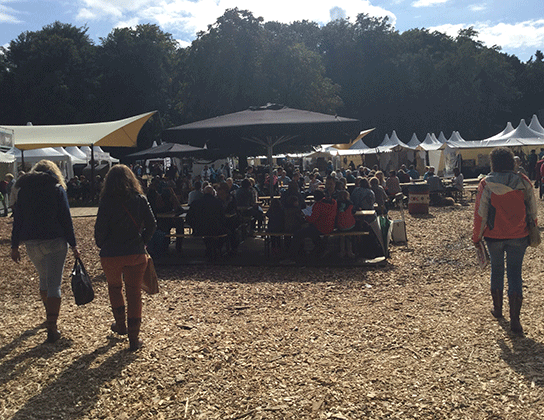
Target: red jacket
{"points": [[504, 201], [323, 215]]}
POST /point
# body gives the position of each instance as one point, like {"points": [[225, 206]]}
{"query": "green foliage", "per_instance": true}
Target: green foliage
{"points": [[51, 77], [416, 81]]}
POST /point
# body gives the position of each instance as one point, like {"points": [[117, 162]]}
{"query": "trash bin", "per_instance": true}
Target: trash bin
{"points": [[418, 199]]}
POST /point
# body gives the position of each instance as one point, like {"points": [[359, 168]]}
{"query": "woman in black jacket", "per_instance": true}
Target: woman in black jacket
{"points": [[42, 221], [124, 224]]}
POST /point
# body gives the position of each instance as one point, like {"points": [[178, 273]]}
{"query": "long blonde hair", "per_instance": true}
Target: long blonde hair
{"points": [[45, 165]]}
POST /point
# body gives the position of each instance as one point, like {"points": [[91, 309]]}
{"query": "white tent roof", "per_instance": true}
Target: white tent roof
{"points": [[121, 133], [442, 138], [414, 142], [75, 151], [535, 125], [506, 130], [36, 155], [6, 158], [73, 158], [522, 132], [430, 143]]}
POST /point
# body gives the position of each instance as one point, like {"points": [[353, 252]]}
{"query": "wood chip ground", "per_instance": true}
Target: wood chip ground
{"points": [[412, 340]]}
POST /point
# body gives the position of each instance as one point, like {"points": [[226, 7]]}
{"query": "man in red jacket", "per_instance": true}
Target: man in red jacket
{"points": [[322, 221]]}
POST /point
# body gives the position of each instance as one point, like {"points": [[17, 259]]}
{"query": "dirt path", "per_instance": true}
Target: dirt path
{"points": [[412, 340]]}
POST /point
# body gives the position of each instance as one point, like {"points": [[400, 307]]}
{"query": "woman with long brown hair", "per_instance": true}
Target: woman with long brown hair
{"points": [[124, 224]]}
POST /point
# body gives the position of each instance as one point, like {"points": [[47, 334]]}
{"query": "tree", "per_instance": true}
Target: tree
{"points": [[51, 77], [138, 66]]}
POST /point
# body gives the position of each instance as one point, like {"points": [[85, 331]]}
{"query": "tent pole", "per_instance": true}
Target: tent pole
{"points": [[23, 159]]}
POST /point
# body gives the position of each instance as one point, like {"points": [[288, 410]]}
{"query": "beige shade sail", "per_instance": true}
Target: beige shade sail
{"points": [[121, 133], [345, 146]]}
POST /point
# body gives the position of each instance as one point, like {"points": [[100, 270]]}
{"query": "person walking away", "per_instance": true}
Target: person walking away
{"points": [[504, 204], [124, 224], [42, 221]]}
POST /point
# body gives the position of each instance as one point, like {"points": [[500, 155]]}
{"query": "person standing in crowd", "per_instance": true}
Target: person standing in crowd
{"points": [[504, 204], [124, 224], [43, 223], [531, 164]]}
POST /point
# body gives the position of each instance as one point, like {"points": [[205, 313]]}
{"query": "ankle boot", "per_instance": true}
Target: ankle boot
{"points": [[53, 307], [133, 333], [515, 301], [120, 325], [497, 303]]}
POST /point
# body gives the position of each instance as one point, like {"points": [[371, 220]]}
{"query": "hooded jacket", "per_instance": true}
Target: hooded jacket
{"points": [[504, 202], [42, 210]]}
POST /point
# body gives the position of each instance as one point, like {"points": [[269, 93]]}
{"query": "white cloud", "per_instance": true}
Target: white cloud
{"points": [[189, 16], [7, 14], [528, 34], [428, 3], [478, 7]]}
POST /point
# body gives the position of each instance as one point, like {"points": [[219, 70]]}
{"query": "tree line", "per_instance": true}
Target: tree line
{"points": [[416, 81]]}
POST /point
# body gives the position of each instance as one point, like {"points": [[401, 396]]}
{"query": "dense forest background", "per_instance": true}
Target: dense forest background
{"points": [[411, 82]]}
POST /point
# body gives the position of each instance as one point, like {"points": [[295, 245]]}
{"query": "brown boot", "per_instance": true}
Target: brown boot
{"points": [[133, 333], [497, 303], [515, 301], [53, 307], [120, 325]]}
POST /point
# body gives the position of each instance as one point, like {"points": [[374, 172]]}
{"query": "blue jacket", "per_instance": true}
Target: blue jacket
{"points": [[42, 210]]}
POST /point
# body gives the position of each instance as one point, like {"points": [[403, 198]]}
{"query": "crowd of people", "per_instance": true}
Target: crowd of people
{"points": [[126, 223]]}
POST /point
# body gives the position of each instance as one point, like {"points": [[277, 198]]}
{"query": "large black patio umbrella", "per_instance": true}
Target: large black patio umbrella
{"points": [[169, 150], [268, 126]]}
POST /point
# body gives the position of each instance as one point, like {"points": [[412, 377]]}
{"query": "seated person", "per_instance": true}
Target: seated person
{"points": [[435, 187], [276, 224], [207, 218], [163, 200], [247, 204], [362, 197], [456, 182], [414, 174], [392, 185], [196, 193], [345, 222], [293, 216], [293, 191], [379, 194], [232, 217], [321, 222], [404, 178]]}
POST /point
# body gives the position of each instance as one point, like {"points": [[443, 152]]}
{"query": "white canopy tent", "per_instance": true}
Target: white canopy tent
{"points": [[34, 156], [76, 151], [476, 153]]}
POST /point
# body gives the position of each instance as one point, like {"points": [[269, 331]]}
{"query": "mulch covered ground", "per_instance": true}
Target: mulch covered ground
{"points": [[413, 339]]}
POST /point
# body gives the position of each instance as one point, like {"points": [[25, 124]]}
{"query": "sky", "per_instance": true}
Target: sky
{"points": [[517, 27]]}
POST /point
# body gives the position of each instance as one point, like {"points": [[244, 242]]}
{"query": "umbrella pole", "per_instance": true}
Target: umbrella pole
{"points": [[92, 172], [270, 153]]}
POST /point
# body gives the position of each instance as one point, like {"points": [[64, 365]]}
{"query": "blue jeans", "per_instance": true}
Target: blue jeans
{"points": [[48, 256], [515, 250]]}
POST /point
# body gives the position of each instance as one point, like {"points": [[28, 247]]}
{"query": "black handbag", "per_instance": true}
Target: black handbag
{"points": [[81, 284]]}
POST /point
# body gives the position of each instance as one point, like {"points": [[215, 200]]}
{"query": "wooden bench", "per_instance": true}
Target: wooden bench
{"points": [[282, 235], [217, 245]]}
